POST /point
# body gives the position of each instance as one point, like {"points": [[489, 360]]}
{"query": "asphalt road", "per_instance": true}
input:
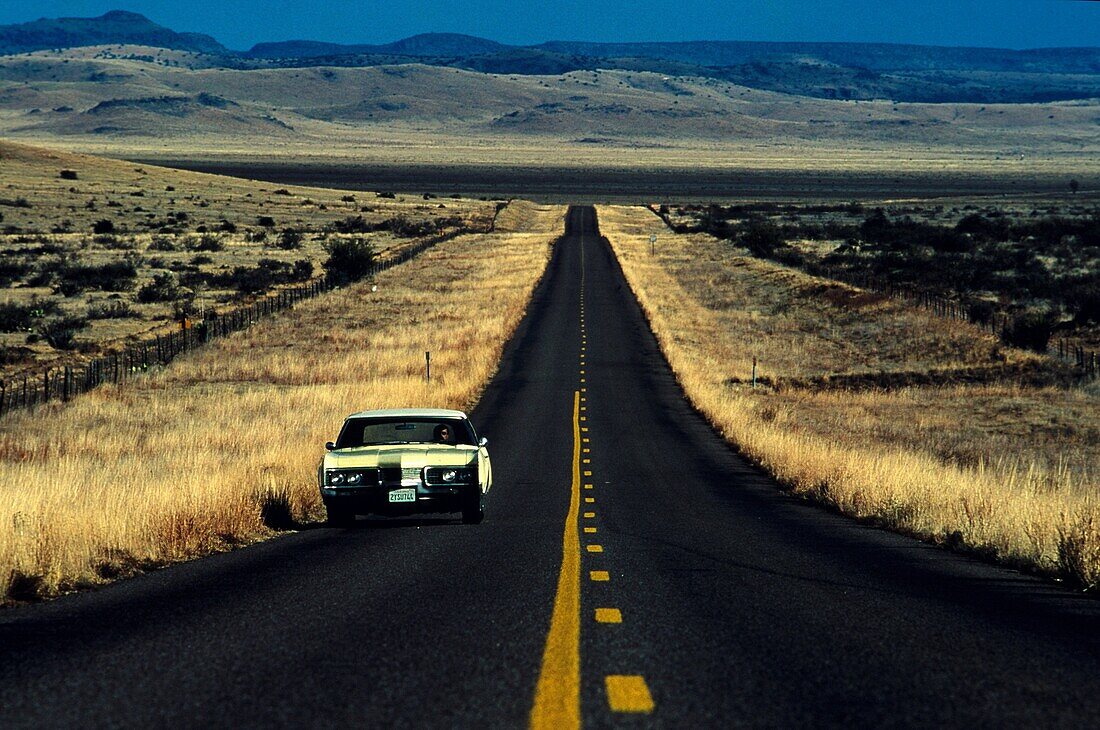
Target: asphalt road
{"points": [[564, 184], [737, 605]]}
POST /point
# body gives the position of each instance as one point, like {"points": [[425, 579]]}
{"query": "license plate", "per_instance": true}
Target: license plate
{"points": [[403, 495]]}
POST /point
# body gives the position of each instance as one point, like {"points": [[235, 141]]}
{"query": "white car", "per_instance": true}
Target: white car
{"points": [[405, 461]]}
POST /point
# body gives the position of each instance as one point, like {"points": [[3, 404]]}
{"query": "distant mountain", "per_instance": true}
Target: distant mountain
{"points": [[855, 71], [115, 27], [425, 45], [882, 57]]}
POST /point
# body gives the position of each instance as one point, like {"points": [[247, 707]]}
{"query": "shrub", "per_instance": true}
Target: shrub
{"points": [[163, 288], [762, 237], [67, 175], [227, 227], [303, 270], [103, 226], [60, 333], [349, 259], [112, 310], [113, 276], [16, 317], [289, 239], [12, 270], [1031, 329], [207, 242], [162, 243], [265, 221], [352, 224]]}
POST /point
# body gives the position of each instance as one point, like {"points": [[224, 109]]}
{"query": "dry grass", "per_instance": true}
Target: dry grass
{"points": [[1003, 469], [418, 114], [160, 215], [222, 446]]}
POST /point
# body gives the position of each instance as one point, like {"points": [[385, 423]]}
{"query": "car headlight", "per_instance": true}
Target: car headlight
{"points": [[356, 478], [449, 475]]}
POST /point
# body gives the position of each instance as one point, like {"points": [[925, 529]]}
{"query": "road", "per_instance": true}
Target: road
{"points": [[632, 571], [564, 183]]}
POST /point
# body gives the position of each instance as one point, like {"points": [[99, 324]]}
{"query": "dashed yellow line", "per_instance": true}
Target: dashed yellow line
{"points": [[609, 616], [590, 530], [628, 693], [594, 548], [589, 515], [599, 576]]}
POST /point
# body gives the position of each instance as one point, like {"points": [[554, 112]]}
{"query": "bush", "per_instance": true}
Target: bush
{"points": [[207, 242], [250, 280], [15, 317], [162, 243], [67, 175], [103, 226], [289, 239], [113, 276], [12, 270], [227, 226], [112, 310], [1031, 330], [163, 288], [265, 221], [762, 237], [352, 224], [303, 270], [60, 333], [349, 259]]}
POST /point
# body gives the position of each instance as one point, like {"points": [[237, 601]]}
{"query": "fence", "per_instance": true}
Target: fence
{"points": [[997, 323], [28, 391]]}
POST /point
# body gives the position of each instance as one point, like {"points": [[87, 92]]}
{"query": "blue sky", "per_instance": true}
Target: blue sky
{"points": [[241, 23]]}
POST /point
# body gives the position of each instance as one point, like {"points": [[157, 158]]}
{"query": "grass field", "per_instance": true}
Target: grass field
{"points": [[211, 241], [999, 466], [221, 447]]}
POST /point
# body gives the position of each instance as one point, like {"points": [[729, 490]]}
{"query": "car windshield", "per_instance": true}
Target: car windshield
{"points": [[379, 431]]}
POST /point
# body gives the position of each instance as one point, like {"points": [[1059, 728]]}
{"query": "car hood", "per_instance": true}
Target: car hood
{"points": [[401, 455]]}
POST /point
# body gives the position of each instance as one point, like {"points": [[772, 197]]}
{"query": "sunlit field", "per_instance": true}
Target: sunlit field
{"points": [[221, 447], [997, 462]]}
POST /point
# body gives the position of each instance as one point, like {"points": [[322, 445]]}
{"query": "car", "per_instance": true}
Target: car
{"points": [[405, 461]]}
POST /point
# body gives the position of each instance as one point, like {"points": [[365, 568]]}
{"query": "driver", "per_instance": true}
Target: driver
{"points": [[444, 434]]}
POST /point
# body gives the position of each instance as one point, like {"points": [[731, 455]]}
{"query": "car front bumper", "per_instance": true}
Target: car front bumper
{"points": [[375, 499]]}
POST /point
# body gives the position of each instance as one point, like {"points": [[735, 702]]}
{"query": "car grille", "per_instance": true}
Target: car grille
{"points": [[397, 474]]}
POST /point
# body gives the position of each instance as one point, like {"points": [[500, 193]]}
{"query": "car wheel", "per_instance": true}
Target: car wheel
{"points": [[339, 517], [473, 511]]}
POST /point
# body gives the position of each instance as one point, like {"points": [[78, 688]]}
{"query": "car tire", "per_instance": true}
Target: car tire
{"points": [[473, 511], [339, 517]]}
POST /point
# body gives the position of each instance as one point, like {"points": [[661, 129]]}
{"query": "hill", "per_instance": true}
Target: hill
{"points": [[117, 26], [862, 71]]}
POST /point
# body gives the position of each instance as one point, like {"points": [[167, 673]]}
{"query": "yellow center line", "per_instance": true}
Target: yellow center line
{"points": [[628, 693], [558, 692], [609, 616]]}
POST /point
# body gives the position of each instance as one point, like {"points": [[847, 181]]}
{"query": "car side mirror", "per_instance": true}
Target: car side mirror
{"points": [[329, 446], [483, 441]]}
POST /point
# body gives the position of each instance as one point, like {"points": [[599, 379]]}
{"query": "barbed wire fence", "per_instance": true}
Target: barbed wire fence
{"points": [[29, 390]]}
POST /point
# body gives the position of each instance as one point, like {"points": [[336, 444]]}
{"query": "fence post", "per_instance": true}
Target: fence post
{"points": [[46, 387]]}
